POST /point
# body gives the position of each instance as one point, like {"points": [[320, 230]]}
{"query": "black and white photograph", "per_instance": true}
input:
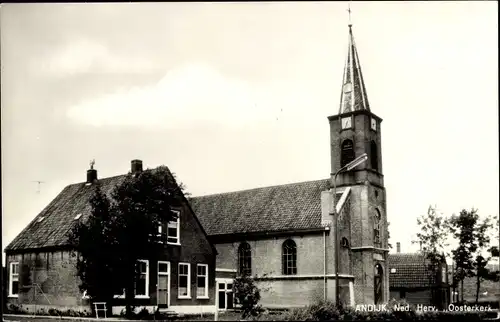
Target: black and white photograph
{"points": [[263, 161]]}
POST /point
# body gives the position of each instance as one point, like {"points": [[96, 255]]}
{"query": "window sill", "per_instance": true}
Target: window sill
{"points": [[136, 297], [13, 295], [184, 297], [175, 244], [202, 298]]}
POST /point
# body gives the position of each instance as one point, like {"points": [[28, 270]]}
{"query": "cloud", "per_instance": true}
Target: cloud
{"points": [[193, 94], [89, 56]]}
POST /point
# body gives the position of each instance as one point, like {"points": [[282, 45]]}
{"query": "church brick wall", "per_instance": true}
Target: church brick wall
{"points": [[267, 254]]}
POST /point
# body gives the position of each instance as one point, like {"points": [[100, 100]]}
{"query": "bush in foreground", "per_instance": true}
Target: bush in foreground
{"points": [[324, 311]]}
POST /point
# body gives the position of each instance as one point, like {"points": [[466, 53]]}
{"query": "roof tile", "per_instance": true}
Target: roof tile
{"points": [[277, 208]]}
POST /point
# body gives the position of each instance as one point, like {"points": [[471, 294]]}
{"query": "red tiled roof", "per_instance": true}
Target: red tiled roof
{"points": [[286, 207], [411, 270]]}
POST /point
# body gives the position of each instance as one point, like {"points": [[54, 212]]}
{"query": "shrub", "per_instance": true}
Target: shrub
{"points": [[16, 309], [247, 294], [322, 311]]}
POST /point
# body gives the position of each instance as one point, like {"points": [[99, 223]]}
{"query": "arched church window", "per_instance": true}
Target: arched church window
{"points": [[347, 152], [376, 228], [245, 259], [374, 155], [289, 257]]}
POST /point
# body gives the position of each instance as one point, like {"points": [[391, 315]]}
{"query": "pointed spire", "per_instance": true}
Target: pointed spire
{"points": [[353, 95]]}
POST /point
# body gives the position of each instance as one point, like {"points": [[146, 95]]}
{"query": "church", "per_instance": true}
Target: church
{"points": [[287, 236], [303, 242]]}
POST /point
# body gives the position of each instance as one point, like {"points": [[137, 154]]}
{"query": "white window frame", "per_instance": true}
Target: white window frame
{"points": [[178, 224], [188, 296], [11, 278], [122, 296], [143, 296], [206, 281]]}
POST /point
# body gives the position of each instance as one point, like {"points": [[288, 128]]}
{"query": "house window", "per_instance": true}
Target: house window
{"points": [[376, 228], [173, 230], [347, 152], [374, 155], [184, 280], [142, 282], [14, 279], [245, 259], [289, 258], [202, 281]]}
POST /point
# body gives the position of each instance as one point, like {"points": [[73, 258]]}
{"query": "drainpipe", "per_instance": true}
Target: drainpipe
{"points": [[324, 263]]}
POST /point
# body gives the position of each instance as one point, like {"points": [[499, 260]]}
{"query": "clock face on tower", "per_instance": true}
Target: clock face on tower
{"points": [[346, 122], [374, 124]]}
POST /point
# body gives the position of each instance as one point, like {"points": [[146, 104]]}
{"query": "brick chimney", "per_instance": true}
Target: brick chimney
{"points": [[136, 166], [398, 247], [91, 173]]}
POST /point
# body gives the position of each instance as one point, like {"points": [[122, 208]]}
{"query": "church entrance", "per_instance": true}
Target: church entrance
{"points": [[378, 281]]}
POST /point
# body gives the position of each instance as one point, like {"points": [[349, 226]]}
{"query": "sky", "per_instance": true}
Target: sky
{"points": [[233, 96]]}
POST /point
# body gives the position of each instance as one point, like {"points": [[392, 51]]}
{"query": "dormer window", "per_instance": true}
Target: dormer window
{"points": [[78, 216], [40, 219]]}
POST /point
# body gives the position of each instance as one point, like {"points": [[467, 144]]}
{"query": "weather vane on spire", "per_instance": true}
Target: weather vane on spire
{"points": [[92, 162], [349, 11]]}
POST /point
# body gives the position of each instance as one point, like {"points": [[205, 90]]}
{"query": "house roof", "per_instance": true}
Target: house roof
{"points": [[408, 270], [50, 228], [52, 225], [294, 206]]}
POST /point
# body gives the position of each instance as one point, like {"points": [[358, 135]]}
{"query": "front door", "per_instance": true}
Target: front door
{"points": [[225, 290], [163, 285], [378, 280]]}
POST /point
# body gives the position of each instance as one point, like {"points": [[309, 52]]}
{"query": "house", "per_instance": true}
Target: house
{"points": [[411, 279], [285, 235], [4, 286], [42, 273]]}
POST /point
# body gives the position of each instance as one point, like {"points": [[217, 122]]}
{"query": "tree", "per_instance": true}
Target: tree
{"points": [[129, 229], [473, 235], [432, 238], [93, 244], [142, 202], [482, 240], [462, 229], [494, 251]]}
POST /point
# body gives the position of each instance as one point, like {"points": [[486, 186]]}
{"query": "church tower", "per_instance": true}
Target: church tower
{"points": [[356, 130]]}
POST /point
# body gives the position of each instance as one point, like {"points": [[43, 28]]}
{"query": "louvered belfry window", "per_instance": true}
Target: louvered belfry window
{"points": [[374, 155], [347, 152]]}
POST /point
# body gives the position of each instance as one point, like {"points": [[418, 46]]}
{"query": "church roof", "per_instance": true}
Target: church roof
{"points": [[353, 96], [408, 270], [287, 207]]}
